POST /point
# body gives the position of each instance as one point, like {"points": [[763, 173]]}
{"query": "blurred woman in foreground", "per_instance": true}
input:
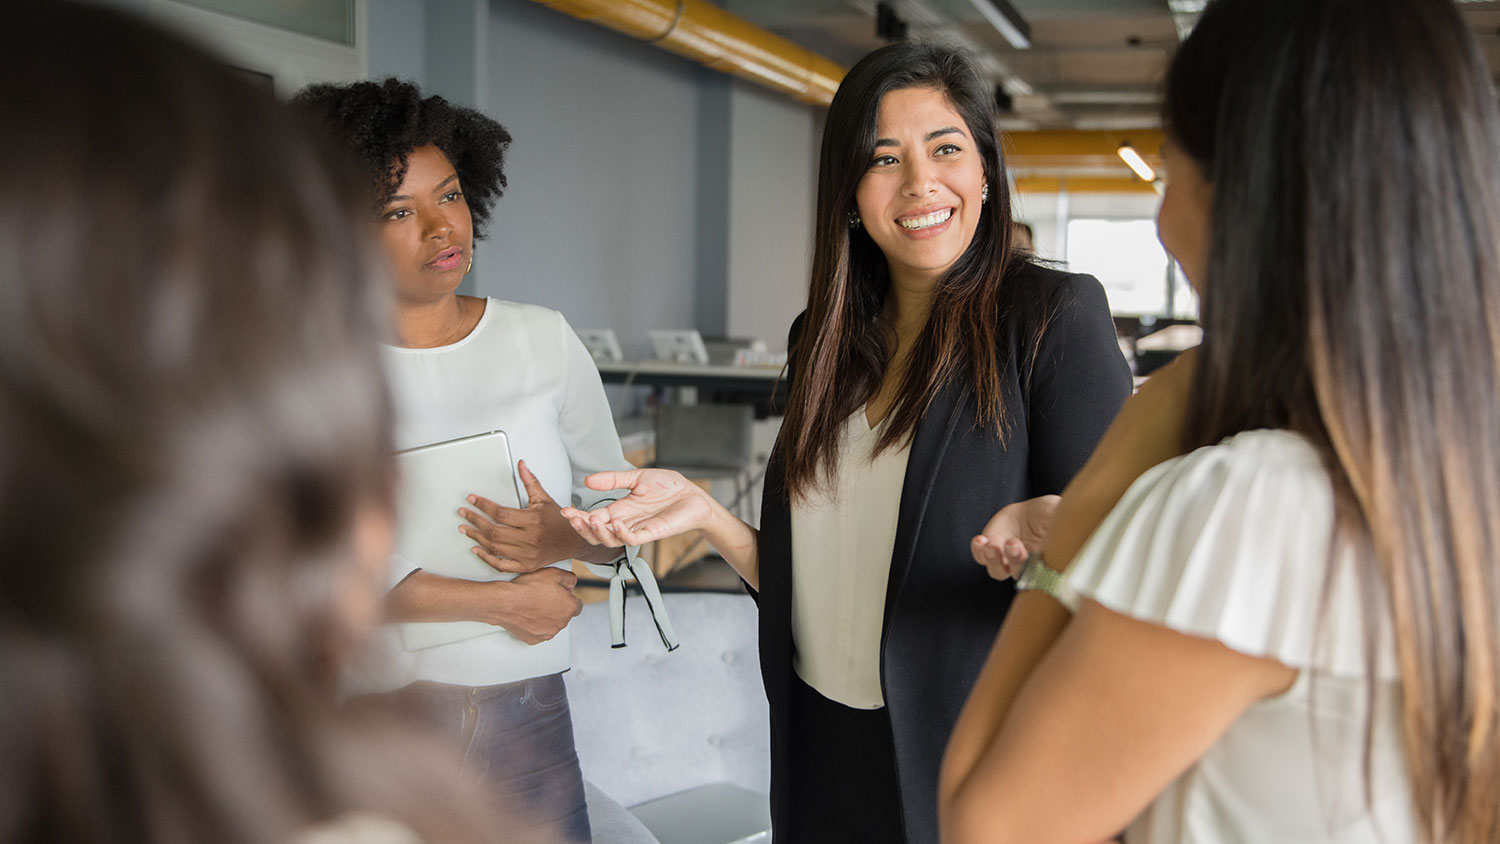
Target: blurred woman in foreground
{"points": [[194, 459]]}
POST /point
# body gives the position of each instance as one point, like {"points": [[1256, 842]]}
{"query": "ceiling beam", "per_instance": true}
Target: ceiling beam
{"points": [[1006, 21]]}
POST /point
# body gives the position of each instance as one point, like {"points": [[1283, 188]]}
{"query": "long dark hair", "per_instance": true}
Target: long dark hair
{"points": [[1353, 295], [192, 420], [842, 353]]}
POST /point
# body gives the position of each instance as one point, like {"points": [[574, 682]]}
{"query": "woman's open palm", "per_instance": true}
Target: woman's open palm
{"points": [[660, 503]]}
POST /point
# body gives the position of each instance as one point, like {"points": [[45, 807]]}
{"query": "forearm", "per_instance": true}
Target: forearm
{"points": [[1147, 431], [424, 596], [1033, 622], [590, 553], [737, 542]]}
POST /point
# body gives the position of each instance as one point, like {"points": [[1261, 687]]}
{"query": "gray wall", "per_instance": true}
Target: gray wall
{"points": [[398, 41], [600, 218], [772, 178], [645, 190]]}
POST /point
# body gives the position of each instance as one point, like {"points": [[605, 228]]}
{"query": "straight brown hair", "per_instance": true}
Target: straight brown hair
{"points": [[1353, 296], [841, 355]]}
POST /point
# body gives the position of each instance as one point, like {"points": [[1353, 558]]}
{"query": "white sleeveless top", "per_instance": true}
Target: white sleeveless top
{"points": [[842, 539], [1232, 542]]}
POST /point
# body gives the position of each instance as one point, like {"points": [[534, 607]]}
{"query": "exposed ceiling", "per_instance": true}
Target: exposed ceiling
{"points": [[1091, 64]]}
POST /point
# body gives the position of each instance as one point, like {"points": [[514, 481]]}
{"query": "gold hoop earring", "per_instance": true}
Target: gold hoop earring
{"points": [[470, 266]]}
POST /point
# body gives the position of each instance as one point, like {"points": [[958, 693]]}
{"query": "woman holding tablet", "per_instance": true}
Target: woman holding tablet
{"points": [[460, 366], [937, 375]]}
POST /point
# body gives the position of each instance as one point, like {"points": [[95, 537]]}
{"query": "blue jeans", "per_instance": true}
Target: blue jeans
{"points": [[518, 739]]}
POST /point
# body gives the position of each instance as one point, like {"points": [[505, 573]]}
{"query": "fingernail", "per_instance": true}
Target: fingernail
{"points": [[981, 540]]}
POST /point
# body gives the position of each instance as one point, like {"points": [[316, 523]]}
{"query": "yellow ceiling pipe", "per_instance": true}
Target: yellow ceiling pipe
{"points": [[1082, 184], [1064, 149], [711, 36]]}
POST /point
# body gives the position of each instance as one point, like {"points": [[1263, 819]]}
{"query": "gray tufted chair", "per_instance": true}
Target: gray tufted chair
{"points": [[681, 738]]}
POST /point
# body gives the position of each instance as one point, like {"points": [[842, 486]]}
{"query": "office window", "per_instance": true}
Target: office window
{"points": [[1129, 261]]}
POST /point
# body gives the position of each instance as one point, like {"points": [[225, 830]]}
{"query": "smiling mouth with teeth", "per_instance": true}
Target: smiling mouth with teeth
{"points": [[926, 221]]}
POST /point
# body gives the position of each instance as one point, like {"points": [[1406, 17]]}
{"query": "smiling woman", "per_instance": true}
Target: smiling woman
{"points": [[460, 366], [937, 375], [922, 198]]}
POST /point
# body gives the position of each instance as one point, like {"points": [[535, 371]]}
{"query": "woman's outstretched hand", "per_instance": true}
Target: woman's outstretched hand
{"points": [[661, 503], [1012, 534]]}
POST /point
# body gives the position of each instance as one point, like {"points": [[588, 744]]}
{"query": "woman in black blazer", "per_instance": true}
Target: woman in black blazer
{"points": [[927, 339]]}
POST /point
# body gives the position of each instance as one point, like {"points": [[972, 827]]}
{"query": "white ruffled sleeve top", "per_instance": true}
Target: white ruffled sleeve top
{"points": [[1234, 542]]}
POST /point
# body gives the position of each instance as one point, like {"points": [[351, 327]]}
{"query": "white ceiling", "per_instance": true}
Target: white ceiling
{"points": [[1092, 64]]}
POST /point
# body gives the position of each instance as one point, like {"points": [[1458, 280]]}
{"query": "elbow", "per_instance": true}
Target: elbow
{"points": [[963, 819], [969, 815]]}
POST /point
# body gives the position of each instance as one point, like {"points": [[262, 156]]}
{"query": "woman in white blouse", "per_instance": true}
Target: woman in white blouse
{"points": [[1288, 633], [937, 375], [461, 366]]}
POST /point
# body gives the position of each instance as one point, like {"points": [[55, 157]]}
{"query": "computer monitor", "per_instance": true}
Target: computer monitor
{"points": [[602, 344], [684, 346]]}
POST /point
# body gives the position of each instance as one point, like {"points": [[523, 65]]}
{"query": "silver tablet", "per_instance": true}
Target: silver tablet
{"points": [[436, 480]]}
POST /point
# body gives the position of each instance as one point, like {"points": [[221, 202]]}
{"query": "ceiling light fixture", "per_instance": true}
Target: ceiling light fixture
{"points": [[1136, 163], [1186, 12], [1006, 20]]}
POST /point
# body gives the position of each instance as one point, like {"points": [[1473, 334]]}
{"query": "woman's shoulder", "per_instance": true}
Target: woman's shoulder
{"points": [[542, 327], [1272, 468], [523, 312], [1234, 541], [1056, 289], [1275, 450]]}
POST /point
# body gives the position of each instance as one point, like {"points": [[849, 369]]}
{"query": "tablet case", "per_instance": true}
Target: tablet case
{"points": [[436, 480]]}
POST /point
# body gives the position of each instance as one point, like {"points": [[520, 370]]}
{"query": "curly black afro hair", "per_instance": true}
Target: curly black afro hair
{"points": [[382, 122]]}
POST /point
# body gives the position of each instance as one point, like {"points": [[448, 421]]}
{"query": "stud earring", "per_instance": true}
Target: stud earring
{"points": [[984, 193], [854, 221]]}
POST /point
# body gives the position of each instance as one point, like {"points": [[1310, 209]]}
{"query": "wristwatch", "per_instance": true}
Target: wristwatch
{"points": [[1036, 574]]}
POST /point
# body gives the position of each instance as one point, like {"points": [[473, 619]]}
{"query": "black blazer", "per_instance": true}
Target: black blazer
{"points": [[942, 611]]}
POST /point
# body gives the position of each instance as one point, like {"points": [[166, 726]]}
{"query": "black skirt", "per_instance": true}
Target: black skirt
{"points": [[842, 774]]}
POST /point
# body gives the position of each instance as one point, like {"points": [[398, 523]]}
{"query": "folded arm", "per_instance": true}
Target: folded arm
{"points": [[533, 607], [1115, 711]]}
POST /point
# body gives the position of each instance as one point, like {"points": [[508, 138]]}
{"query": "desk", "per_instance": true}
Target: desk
{"points": [[658, 373]]}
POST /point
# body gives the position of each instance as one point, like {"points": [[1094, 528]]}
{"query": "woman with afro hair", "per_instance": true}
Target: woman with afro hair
{"points": [[462, 365]]}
